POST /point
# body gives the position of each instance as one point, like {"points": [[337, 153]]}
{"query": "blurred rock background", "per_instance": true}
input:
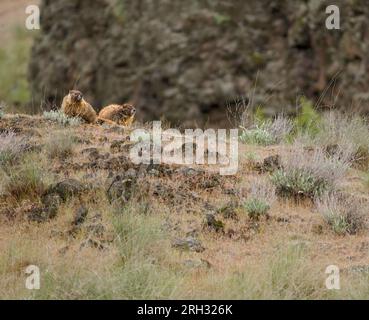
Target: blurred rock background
{"points": [[189, 60]]}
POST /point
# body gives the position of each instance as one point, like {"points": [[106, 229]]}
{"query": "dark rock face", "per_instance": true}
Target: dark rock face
{"points": [[188, 59]]}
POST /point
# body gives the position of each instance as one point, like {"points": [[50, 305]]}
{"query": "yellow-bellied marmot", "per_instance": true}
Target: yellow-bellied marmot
{"points": [[75, 106], [120, 114]]}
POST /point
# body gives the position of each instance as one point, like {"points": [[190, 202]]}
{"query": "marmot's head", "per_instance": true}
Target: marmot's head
{"points": [[75, 95], [128, 110]]}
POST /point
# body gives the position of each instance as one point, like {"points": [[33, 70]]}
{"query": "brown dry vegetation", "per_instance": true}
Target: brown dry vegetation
{"points": [[156, 239]]}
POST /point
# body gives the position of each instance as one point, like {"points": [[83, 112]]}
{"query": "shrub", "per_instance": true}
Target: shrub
{"points": [[262, 196], [60, 145], [268, 132], [298, 182], [258, 136], [61, 118], [343, 214], [2, 112], [256, 208], [309, 173]]}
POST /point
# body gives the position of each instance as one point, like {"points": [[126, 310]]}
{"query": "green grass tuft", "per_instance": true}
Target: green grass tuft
{"points": [[256, 208], [298, 183]]}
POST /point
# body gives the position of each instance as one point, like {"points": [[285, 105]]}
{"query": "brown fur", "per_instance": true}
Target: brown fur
{"points": [[120, 114], [75, 106]]}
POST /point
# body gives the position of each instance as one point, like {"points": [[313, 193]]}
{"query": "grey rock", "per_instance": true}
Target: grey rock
{"points": [[121, 187], [91, 243], [229, 210], [80, 216], [212, 223], [196, 264], [188, 244], [271, 163], [96, 229], [65, 189]]}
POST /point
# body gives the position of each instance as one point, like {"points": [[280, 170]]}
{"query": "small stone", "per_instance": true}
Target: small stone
{"points": [[96, 229], [317, 229], [359, 269], [212, 223], [63, 250], [189, 172], [188, 244], [231, 233], [283, 220], [37, 214], [131, 174], [90, 243], [116, 146], [211, 182], [80, 216], [229, 210], [197, 264], [270, 164], [48, 210], [193, 232], [120, 188], [92, 153]]}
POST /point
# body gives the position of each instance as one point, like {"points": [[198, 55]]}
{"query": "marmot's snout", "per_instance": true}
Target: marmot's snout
{"points": [[77, 96], [128, 109]]}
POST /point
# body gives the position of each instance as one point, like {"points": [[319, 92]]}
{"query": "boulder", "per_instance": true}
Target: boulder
{"points": [[65, 189]]}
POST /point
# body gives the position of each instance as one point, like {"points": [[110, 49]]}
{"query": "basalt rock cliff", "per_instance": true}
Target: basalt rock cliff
{"points": [[188, 60]]}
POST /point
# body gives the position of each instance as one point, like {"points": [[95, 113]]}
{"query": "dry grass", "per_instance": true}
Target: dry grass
{"points": [[12, 148], [342, 132], [366, 179], [59, 145]]}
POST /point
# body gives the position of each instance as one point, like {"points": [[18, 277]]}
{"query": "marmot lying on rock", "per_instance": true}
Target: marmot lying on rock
{"points": [[75, 106], [120, 114]]}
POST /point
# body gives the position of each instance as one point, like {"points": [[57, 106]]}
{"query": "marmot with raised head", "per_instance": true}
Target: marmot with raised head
{"points": [[120, 114], [75, 106]]}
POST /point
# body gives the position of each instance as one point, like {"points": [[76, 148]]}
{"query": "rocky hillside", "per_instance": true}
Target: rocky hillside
{"points": [[99, 226], [188, 59]]}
